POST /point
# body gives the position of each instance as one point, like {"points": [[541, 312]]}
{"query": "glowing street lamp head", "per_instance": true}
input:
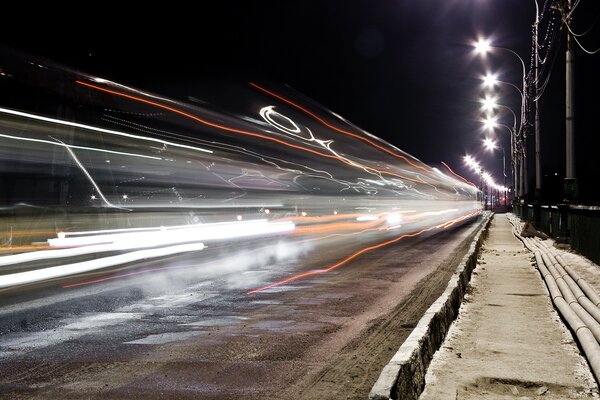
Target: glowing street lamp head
{"points": [[489, 143], [471, 163], [490, 123], [490, 80], [489, 103], [482, 46]]}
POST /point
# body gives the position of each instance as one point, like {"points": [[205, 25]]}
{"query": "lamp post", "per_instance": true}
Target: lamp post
{"points": [[570, 184], [489, 81], [482, 47], [491, 123], [538, 152]]}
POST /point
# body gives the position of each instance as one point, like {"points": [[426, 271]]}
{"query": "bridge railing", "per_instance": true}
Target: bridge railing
{"points": [[577, 225]]}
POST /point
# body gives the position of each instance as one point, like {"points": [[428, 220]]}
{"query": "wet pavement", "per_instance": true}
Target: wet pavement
{"points": [[193, 332]]}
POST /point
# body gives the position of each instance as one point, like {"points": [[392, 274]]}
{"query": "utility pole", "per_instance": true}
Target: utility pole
{"points": [[538, 156], [570, 184]]}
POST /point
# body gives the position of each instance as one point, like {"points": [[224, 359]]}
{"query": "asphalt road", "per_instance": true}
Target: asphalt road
{"points": [[192, 331]]}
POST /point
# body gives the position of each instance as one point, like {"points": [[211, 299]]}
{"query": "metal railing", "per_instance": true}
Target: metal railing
{"points": [[577, 225]]}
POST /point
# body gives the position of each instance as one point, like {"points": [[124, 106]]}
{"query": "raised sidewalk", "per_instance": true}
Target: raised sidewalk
{"points": [[508, 341]]}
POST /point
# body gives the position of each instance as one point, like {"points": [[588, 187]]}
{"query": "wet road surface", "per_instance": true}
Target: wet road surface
{"points": [[194, 332]]}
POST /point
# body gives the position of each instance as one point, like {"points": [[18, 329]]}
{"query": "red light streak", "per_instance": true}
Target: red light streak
{"points": [[360, 252], [239, 131], [457, 175], [354, 135]]}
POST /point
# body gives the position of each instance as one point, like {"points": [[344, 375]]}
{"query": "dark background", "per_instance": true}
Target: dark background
{"points": [[402, 70]]}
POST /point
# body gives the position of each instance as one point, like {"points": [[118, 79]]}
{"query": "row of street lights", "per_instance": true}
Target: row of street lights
{"points": [[490, 122], [529, 95], [486, 183]]}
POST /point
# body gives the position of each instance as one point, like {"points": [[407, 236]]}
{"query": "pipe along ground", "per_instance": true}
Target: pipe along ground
{"points": [[577, 302]]}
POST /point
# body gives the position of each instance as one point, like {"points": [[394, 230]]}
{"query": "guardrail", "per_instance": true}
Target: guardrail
{"points": [[577, 225]]}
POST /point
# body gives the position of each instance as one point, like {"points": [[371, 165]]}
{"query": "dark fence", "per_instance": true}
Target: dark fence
{"points": [[577, 225]]}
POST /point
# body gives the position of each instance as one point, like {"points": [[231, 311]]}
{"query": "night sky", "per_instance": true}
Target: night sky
{"points": [[403, 69]]}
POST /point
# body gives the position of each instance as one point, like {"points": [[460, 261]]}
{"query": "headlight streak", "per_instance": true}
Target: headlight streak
{"points": [[322, 227], [346, 260], [62, 144], [180, 234], [97, 129], [90, 242], [21, 278]]}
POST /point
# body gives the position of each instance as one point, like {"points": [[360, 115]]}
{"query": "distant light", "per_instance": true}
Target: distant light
{"points": [[490, 122], [303, 213], [472, 163], [239, 217], [482, 46], [394, 219], [93, 197], [334, 212], [364, 218], [489, 103], [490, 80], [125, 197], [489, 143], [267, 211]]}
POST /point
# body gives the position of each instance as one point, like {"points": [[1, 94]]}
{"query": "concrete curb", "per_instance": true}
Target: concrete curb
{"points": [[403, 378]]}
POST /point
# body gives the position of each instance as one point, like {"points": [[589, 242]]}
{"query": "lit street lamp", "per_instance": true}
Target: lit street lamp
{"points": [[490, 144], [482, 47]]}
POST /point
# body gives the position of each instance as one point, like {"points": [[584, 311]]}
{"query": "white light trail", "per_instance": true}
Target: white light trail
{"points": [[60, 271], [97, 129], [139, 238]]}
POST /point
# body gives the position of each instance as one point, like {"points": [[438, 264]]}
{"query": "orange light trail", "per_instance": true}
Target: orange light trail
{"points": [[342, 234], [321, 120], [12, 249], [320, 218], [358, 253], [308, 230], [458, 176], [239, 131]]}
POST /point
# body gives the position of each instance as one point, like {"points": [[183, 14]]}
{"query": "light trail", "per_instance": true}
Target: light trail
{"points": [[43, 274], [241, 131], [358, 253], [345, 132], [97, 129], [95, 242], [458, 176], [152, 172]]}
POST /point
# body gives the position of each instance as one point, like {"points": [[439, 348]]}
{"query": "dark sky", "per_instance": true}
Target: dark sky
{"points": [[400, 69]]}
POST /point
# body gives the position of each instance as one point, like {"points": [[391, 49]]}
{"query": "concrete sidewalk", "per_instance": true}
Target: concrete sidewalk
{"points": [[508, 341]]}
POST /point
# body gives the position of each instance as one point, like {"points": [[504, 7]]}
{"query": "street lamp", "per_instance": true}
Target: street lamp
{"points": [[482, 47], [474, 165], [491, 122], [490, 144]]}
